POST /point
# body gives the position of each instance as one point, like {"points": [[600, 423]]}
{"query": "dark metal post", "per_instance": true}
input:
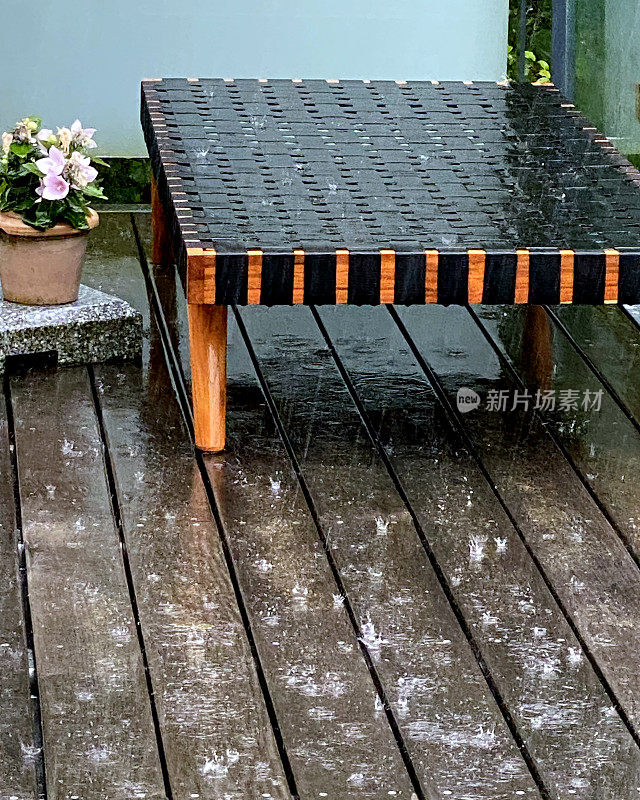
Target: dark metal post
{"points": [[522, 40], [563, 46]]}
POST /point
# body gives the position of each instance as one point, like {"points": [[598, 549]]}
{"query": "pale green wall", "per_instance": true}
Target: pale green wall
{"points": [[85, 58], [608, 68], [622, 73]]}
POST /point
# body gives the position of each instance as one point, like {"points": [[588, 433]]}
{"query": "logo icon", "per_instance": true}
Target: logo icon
{"points": [[467, 400]]}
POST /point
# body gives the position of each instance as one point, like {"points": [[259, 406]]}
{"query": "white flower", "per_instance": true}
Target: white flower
{"points": [[7, 139], [79, 170], [24, 130], [65, 136], [83, 136], [44, 135]]}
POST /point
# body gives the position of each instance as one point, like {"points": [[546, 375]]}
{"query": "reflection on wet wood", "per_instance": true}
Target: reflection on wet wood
{"points": [[295, 599], [98, 731], [18, 752], [454, 732], [537, 358], [553, 686], [217, 736], [598, 437], [334, 729], [611, 339], [216, 732], [303, 640], [336, 734]]}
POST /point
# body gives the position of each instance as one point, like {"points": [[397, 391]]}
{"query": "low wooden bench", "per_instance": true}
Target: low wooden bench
{"points": [[282, 192]]}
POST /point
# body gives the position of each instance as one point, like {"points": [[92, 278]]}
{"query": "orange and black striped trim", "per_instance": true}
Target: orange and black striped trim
{"points": [[298, 277], [534, 276], [475, 283], [566, 276], [612, 276], [521, 291]]}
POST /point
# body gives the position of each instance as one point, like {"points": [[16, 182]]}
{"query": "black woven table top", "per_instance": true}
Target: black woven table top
{"points": [[362, 166]]}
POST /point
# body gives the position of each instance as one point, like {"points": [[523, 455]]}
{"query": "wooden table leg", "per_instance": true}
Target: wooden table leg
{"points": [[537, 348], [208, 341], [161, 249]]}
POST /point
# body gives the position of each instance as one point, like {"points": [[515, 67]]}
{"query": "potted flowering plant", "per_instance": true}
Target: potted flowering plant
{"points": [[46, 184]]}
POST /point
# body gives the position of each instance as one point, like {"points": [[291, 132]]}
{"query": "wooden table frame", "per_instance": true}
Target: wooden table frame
{"points": [[208, 325], [500, 247], [207, 333]]}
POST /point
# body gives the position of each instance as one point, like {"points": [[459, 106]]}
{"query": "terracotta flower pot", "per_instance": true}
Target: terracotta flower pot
{"points": [[41, 267]]}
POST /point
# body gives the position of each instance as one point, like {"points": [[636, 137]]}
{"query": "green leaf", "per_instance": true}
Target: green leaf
{"points": [[23, 203], [76, 203], [39, 217], [4, 195], [94, 191], [77, 218], [20, 148], [30, 168], [100, 161]]}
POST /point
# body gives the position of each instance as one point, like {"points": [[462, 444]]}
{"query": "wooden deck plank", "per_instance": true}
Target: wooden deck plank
{"points": [[98, 731], [336, 735], [18, 750], [603, 444], [337, 742], [215, 729], [585, 563], [217, 735], [336, 732], [577, 740], [454, 732], [605, 447], [610, 338], [633, 312]]}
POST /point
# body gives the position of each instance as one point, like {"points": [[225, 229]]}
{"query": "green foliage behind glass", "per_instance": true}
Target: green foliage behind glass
{"points": [[538, 52], [127, 181]]}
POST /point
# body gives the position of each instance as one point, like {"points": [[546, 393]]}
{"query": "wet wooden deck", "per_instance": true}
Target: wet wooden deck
{"points": [[371, 595]]}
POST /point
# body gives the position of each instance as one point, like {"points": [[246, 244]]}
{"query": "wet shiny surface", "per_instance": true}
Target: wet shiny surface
{"points": [[604, 444], [280, 164], [332, 721], [441, 611], [556, 687], [98, 732], [18, 747], [215, 728], [450, 722]]}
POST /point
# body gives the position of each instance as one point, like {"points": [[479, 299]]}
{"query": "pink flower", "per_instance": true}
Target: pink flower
{"points": [[53, 164], [53, 187]]}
